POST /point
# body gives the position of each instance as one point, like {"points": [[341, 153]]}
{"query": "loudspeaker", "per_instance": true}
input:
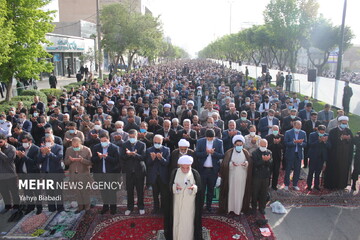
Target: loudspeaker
{"points": [[312, 75], [264, 68]]}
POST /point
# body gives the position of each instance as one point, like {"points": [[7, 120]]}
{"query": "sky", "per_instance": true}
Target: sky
{"points": [[192, 24]]}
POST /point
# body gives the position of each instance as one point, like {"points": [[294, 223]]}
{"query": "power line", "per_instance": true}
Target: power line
{"points": [[72, 24]]}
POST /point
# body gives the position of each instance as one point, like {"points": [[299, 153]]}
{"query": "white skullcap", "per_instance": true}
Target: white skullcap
{"points": [[238, 138], [183, 143], [187, 160], [111, 102], [167, 106], [343, 118], [199, 87], [190, 102]]}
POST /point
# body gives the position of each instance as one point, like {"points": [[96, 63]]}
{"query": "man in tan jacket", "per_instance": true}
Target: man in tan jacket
{"points": [[78, 157]]}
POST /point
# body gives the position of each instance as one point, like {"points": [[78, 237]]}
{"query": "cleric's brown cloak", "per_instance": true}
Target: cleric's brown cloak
{"points": [[224, 186]]}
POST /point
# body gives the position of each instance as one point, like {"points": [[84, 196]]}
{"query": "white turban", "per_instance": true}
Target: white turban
{"points": [[183, 143], [190, 102], [343, 118], [238, 138], [187, 160], [167, 106], [110, 102]]}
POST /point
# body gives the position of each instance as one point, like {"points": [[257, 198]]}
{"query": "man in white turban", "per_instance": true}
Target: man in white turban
{"points": [[183, 218], [181, 151]]}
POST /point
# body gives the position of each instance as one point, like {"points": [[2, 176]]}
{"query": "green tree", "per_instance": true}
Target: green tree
{"points": [[5, 34], [28, 24], [127, 31], [324, 38], [289, 23]]}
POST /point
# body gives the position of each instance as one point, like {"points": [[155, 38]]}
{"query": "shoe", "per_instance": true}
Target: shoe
{"points": [[308, 188], [209, 209], [274, 188], [60, 210], [12, 217], [18, 216], [286, 188], [39, 211], [142, 211], [296, 188], [317, 188], [304, 166], [104, 210], [113, 211], [127, 212]]}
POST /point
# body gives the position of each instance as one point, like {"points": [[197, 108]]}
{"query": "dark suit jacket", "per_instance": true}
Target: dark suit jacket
{"points": [[27, 125], [227, 140], [172, 138], [287, 123], [134, 164], [291, 146], [202, 155], [112, 161], [317, 148], [158, 166], [57, 140], [302, 115], [264, 125], [308, 127], [55, 157], [216, 129], [30, 160], [257, 116], [192, 139], [175, 155]]}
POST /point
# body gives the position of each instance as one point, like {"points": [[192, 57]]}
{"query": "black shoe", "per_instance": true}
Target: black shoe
{"points": [[304, 166], [113, 211], [39, 211], [78, 211], [308, 188], [104, 210], [209, 209], [317, 188], [18, 216], [60, 210], [12, 217]]}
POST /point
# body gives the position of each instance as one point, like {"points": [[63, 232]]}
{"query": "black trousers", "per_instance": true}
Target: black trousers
{"points": [[306, 150], [275, 170], [31, 205], [208, 181], [259, 193], [9, 191], [315, 166], [135, 181], [160, 188], [55, 205], [108, 196]]}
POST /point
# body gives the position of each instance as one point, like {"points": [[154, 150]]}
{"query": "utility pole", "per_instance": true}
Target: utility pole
{"points": [[98, 28], [340, 56]]}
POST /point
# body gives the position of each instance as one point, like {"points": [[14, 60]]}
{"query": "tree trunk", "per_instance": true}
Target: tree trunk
{"points": [[9, 90]]}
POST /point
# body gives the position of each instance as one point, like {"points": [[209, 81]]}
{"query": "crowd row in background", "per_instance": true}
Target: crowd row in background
{"points": [[142, 122]]}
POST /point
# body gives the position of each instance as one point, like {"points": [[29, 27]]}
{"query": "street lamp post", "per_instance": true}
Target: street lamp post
{"points": [[340, 56]]}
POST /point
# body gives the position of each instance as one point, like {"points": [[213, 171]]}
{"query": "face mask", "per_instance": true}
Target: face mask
{"points": [[252, 134], [296, 130], [2, 121], [262, 149], [238, 148], [132, 140], [36, 114], [321, 134], [275, 132], [76, 149], [243, 118], [48, 144], [292, 116], [71, 131], [26, 145], [119, 130], [343, 125], [290, 107], [210, 125], [306, 101], [142, 130], [12, 112], [104, 144], [247, 103], [97, 127], [157, 145], [173, 97], [276, 99]]}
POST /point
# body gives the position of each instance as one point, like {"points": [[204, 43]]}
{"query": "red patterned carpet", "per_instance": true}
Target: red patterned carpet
{"points": [[96, 226]]}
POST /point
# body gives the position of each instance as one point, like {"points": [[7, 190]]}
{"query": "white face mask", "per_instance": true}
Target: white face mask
{"points": [[119, 130], [252, 134], [48, 144], [263, 149], [26, 145], [97, 127]]}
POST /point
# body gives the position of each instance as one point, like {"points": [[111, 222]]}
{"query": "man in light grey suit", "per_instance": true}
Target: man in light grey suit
{"points": [[324, 116], [207, 113]]}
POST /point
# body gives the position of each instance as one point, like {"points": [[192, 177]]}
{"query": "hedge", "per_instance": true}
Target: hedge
{"points": [[42, 95], [5, 106], [52, 92]]}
